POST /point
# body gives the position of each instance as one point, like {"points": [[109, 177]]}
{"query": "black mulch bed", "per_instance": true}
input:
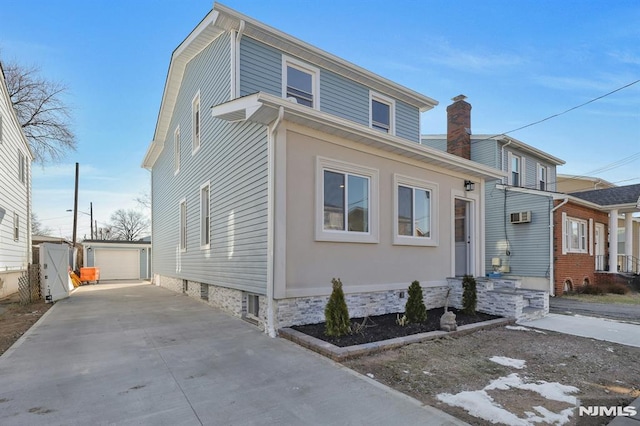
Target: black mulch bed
{"points": [[383, 327]]}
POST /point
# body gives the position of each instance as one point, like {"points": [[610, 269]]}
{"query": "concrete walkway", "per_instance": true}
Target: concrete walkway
{"points": [[130, 354], [619, 311]]}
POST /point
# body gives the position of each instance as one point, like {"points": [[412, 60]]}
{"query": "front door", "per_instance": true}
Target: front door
{"points": [[462, 232], [600, 246]]}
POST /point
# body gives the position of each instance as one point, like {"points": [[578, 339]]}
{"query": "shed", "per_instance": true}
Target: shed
{"points": [[119, 260]]}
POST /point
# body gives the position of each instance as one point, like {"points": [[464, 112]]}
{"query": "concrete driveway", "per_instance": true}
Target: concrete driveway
{"points": [[562, 305], [137, 354]]}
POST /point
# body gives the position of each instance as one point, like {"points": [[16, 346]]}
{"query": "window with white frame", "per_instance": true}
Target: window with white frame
{"points": [[542, 178], [22, 167], [575, 235], [414, 221], [16, 227], [176, 150], [347, 202], [205, 219], [516, 165], [183, 225], [300, 82], [382, 113], [195, 118]]}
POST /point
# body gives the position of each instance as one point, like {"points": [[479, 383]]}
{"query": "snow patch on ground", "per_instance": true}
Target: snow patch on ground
{"points": [[521, 328], [508, 362], [480, 404]]}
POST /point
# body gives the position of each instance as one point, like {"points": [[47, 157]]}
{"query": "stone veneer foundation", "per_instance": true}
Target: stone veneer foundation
{"points": [[496, 297]]}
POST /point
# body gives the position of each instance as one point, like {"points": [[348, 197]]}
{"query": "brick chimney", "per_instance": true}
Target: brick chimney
{"points": [[459, 127]]}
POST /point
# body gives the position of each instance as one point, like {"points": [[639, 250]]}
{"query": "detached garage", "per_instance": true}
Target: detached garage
{"points": [[119, 260]]}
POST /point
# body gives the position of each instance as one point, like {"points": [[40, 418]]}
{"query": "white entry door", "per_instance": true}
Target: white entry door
{"points": [[54, 269]]}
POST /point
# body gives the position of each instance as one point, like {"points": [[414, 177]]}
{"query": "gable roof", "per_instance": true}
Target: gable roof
{"points": [[620, 197], [222, 19]]}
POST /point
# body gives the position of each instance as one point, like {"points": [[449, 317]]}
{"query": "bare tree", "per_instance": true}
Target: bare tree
{"points": [[144, 200], [37, 228], [128, 224], [44, 116]]}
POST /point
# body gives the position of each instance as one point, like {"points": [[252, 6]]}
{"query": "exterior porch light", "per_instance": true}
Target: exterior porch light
{"points": [[469, 186]]}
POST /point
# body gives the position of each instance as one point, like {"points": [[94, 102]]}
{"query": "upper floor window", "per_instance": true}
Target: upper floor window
{"points": [[16, 227], [542, 178], [381, 114], [516, 165], [413, 211], [176, 150], [205, 232], [300, 82], [195, 117], [347, 200], [575, 235], [22, 167]]}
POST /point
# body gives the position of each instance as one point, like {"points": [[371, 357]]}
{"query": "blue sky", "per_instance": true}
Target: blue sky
{"points": [[516, 61]]}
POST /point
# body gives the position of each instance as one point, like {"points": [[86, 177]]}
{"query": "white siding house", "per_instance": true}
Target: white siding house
{"points": [[276, 166], [15, 196]]}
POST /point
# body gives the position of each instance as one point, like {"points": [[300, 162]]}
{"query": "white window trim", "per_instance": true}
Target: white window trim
{"points": [[182, 228], [432, 187], [22, 168], [176, 150], [16, 227], [322, 234], [392, 110], [566, 235], [302, 66], [510, 157], [196, 140], [539, 168], [203, 245]]}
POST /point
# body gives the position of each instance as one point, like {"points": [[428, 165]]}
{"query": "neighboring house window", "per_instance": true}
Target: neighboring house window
{"points": [[516, 164], [176, 150], [382, 114], [414, 211], [16, 227], [22, 167], [575, 235], [205, 211], [300, 82], [183, 225], [195, 118], [542, 177], [347, 202]]}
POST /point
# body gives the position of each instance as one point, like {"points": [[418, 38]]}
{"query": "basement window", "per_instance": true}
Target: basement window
{"points": [[253, 306]]}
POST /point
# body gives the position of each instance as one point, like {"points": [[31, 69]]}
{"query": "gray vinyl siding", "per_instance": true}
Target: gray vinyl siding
{"points": [[439, 144], [260, 68], [344, 98], [261, 71], [407, 121], [485, 152], [233, 159], [528, 243]]}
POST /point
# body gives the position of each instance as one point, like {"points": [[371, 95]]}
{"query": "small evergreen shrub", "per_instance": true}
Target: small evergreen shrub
{"points": [[336, 313], [469, 295], [415, 310]]}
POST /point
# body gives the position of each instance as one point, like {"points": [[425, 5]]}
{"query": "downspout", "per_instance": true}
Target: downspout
{"points": [[272, 130], [552, 290], [235, 80]]}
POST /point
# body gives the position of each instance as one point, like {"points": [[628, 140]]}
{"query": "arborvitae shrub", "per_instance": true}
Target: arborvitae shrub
{"points": [[336, 313], [469, 295], [415, 310]]}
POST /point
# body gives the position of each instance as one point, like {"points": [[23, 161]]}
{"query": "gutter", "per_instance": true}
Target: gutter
{"points": [[272, 130], [552, 291]]}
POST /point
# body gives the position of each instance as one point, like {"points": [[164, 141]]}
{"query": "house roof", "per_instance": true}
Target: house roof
{"points": [[624, 198], [507, 140], [221, 19], [264, 108]]}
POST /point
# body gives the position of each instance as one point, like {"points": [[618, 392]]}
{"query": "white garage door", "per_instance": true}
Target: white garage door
{"points": [[118, 264]]}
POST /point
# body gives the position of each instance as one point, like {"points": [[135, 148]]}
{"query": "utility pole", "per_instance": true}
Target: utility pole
{"points": [[75, 211], [91, 214]]}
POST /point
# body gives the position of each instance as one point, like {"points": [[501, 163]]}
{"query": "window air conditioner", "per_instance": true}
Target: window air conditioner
{"points": [[521, 217]]}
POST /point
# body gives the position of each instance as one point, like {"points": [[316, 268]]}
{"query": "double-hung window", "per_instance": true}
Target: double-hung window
{"points": [[16, 227], [414, 208], [347, 202], [183, 225], [575, 235], [205, 213], [382, 113], [516, 165], [195, 118], [542, 178], [22, 167], [176, 151], [300, 82]]}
